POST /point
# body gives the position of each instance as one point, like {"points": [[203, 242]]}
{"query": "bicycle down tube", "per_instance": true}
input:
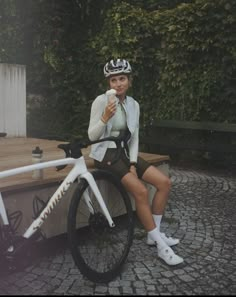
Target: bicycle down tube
{"points": [[78, 171]]}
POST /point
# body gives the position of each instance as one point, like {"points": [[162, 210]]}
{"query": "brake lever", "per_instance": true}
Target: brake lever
{"points": [[67, 149]]}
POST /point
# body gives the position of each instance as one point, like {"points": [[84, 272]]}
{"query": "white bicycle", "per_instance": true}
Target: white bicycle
{"points": [[100, 229]]}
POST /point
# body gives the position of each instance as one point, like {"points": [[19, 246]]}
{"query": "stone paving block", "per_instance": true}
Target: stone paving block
{"points": [[129, 277], [113, 291], [127, 290], [139, 291], [101, 289], [186, 278]]}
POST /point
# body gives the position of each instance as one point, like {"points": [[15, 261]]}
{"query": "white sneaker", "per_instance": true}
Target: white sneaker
{"points": [[170, 241], [168, 255]]}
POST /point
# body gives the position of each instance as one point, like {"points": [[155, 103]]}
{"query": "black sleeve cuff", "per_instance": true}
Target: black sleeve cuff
{"points": [[133, 163]]}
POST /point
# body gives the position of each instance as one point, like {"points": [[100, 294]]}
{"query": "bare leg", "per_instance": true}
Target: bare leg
{"points": [[143, 209], [163, 184], [140, 194]]}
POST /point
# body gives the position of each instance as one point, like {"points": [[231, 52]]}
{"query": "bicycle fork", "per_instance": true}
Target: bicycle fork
{"points": [[89, 178]]}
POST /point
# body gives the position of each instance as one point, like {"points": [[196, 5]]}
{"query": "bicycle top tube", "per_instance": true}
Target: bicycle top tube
{"points": [[42, 165]]}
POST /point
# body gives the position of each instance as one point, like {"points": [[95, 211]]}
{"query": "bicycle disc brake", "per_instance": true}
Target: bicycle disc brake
{"points": [[98, 223]]}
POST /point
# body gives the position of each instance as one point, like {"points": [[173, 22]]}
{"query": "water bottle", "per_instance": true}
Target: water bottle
{"points": [[37, 156]]}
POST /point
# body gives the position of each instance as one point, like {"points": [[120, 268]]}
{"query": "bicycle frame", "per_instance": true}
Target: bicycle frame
{"points": [[78, 171]]}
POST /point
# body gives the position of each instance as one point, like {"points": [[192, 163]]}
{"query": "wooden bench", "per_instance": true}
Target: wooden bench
{"points": [[20, 191], [169, 136]]}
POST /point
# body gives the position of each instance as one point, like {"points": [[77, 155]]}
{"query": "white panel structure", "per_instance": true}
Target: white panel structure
{"points": [[13, 100]]}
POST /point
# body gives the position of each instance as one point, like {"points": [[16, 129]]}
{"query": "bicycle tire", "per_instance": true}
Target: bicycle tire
{"points": [[98, 250]]}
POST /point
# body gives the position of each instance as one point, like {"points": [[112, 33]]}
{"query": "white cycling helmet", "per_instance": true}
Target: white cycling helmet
{"points": [[116, 67]]}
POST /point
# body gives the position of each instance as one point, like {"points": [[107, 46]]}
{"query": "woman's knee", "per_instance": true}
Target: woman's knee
{"points": [[167, 183], [158, 179], [141, 194], [135, 187], [164, 184]]}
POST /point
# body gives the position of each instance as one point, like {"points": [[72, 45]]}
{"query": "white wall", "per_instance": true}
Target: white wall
{"points": [[13, 99]]}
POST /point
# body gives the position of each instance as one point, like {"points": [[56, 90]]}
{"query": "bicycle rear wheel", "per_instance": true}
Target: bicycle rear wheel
{"points": [[98, 249]]}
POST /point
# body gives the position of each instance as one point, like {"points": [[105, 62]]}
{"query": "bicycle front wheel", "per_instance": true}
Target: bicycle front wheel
{"points": [[99, 250]]}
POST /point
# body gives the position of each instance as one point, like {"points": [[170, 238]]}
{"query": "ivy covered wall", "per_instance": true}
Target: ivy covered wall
{"points": [[183, 54]]}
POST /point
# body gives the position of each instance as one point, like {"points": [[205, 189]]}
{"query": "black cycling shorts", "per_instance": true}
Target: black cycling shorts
{"points": [[121, 167]]}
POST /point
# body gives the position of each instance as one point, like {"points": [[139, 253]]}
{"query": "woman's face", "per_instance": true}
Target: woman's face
{"points": [[120, 83]]}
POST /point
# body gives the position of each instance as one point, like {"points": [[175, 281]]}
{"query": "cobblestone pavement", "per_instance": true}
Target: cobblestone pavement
{"points": [[201, 212]]}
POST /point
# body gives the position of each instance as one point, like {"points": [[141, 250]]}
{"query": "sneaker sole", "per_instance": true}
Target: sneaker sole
{"points": [[153, 244]]}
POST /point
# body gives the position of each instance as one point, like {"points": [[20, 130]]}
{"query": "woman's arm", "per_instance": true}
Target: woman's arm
{"points": [[101, 112], [96, 125]]}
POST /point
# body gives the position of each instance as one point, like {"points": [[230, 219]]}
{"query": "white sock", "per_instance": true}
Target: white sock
{"points": [[157, 220], [156, 236]]}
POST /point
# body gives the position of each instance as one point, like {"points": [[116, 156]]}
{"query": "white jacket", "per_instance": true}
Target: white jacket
{"points": [[97, 129]]}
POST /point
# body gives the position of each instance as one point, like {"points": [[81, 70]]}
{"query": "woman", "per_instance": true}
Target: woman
{"points": [[110, 115]]}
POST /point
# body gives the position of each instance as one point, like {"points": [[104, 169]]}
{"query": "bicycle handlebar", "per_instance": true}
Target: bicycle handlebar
{"points": [[73, 150]]}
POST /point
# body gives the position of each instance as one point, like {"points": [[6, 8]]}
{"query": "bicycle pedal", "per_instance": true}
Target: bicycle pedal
{"points": [[17, 246]]}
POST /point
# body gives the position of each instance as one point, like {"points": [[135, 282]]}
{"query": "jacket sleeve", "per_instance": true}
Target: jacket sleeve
{"points": [[134, 141], [96, 126]]}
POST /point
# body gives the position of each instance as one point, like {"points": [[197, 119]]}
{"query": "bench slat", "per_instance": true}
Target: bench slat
{"points": [[213, 126], [190, 145]]}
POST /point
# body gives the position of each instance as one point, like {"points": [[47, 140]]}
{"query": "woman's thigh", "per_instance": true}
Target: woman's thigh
{"points": [[155, 177]]}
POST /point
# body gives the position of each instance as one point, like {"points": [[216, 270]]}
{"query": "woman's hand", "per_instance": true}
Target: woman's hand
{"points": [[133, 170], [109, 111]]}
